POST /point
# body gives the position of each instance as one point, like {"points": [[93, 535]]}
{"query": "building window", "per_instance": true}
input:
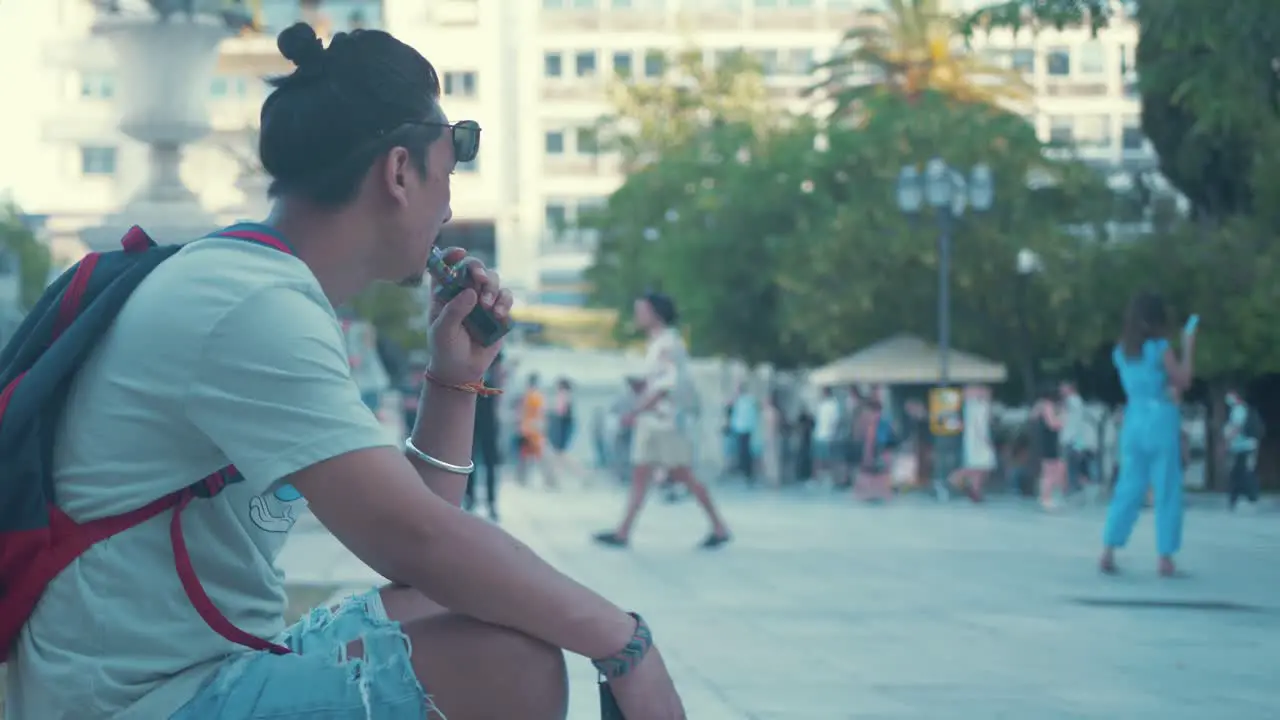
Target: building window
{"points": [[552, 65], [472, 166], [460, 83], [97, 161], [1092, 131], [553, 4], [557, 218], [584, 4], [584, 63], [97, 86], [554, 142], [1024, 61], [799, 62], [622, 63], [1131, 138], [223, 86], [1060, 129], [588, 141], [766, 3], [1093, 58], [621, 4], [1058, 60], [768, 60], [654, 63]]}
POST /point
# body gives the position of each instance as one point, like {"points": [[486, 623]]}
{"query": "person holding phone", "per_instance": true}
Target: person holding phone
{"points": [[231, 353], [1152, 374]]}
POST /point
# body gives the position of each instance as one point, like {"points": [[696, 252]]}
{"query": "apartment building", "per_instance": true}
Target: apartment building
{"points": [[535, 74]]}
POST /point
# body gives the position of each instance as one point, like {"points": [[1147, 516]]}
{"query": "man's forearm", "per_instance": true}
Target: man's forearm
{"points": [[444, 430], [473, 567]]}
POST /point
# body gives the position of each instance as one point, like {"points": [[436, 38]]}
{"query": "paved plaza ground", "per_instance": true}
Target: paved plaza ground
{"points": [[822, 609]]}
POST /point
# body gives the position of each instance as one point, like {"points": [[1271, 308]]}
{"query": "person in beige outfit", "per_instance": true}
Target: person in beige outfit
{"points": [[658, 440]]}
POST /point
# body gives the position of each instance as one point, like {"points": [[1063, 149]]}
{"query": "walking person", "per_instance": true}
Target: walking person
{"points": [[1079, 438], [1149, 438], [485, 444], [874, 482], [978, 451], [770, 441], [744, 425], [826, 425], [561, 428], [533, 437], [1046, 418], [1243, 433], [658, 441]]}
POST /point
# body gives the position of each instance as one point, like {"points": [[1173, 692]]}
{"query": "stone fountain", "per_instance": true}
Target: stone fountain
{"points": [[165, 64]]}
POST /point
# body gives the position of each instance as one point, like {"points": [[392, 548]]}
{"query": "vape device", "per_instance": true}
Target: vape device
{"points": [[480, 323], [1192, 322]]}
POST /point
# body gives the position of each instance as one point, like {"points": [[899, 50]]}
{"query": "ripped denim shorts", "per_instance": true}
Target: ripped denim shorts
{"points": [[319, 681]]}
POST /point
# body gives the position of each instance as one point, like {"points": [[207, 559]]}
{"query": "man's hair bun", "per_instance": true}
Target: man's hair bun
{"points": [[300, 45]]}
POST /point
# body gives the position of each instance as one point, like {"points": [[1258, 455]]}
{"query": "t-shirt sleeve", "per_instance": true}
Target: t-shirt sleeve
{"points": [[273, 389], [664, 374]]}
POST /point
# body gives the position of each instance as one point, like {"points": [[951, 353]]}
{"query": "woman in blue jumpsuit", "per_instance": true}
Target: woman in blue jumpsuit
{"points": [[1150, 453]]}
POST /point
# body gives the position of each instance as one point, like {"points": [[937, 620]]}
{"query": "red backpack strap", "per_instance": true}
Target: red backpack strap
{"points": [[255, 233], [195, 591]]}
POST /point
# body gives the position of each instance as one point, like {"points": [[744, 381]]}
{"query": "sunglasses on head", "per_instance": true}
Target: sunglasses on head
{"points": [[466, 138]]}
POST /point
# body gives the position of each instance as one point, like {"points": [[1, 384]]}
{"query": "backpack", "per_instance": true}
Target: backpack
{"points": [[37, 539], [1253, 426]]}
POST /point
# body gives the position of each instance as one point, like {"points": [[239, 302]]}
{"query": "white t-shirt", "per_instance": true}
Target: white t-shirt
{"points": [[227, 353], [662, 362], [827, 421]]}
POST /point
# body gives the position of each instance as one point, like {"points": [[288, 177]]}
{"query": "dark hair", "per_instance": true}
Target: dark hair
{"points": [[1049, 392], [341, 108], [663, 306], [1146, 319], [564, 384], [533, 379]]}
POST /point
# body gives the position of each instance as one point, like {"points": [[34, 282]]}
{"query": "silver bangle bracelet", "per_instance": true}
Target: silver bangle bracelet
{"points": [[437, 463]]}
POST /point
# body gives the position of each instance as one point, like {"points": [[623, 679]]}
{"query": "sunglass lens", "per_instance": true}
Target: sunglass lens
{"points": [[466, 140]]}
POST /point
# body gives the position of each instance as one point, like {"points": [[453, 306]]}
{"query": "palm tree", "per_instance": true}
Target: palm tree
{"points": [[909, 47]]}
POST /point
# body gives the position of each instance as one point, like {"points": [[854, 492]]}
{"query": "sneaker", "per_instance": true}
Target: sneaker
{"points": [[610, 538], [713, 541]]}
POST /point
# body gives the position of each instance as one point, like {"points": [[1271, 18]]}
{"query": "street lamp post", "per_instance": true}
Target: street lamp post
{"points": [[948, 193]]}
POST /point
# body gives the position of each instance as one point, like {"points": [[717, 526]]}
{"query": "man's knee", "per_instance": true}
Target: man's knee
{"points": [[477, 670]]}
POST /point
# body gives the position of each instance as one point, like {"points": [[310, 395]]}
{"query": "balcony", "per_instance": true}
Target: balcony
{"points": [[788, 19], [580, 165], [634, 20], [574, 89], [1075, 89], [558, 21], [712, 20], [454, 13]]}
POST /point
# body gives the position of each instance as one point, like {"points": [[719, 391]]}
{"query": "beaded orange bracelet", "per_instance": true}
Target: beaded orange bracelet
{"points": [[475, 388]]}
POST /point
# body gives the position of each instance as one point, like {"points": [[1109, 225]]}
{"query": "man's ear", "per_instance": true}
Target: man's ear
{"points": [[395, 174]]}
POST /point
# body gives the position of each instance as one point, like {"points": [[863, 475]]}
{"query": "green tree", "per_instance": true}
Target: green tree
{"points": [[33, 257], [866, 270]]}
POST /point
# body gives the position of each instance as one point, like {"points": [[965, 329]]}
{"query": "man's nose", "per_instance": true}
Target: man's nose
{"points": [[448, 214]]}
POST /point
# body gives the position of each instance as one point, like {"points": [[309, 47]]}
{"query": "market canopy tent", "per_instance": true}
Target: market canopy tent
{"points": [[906, 360]]}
